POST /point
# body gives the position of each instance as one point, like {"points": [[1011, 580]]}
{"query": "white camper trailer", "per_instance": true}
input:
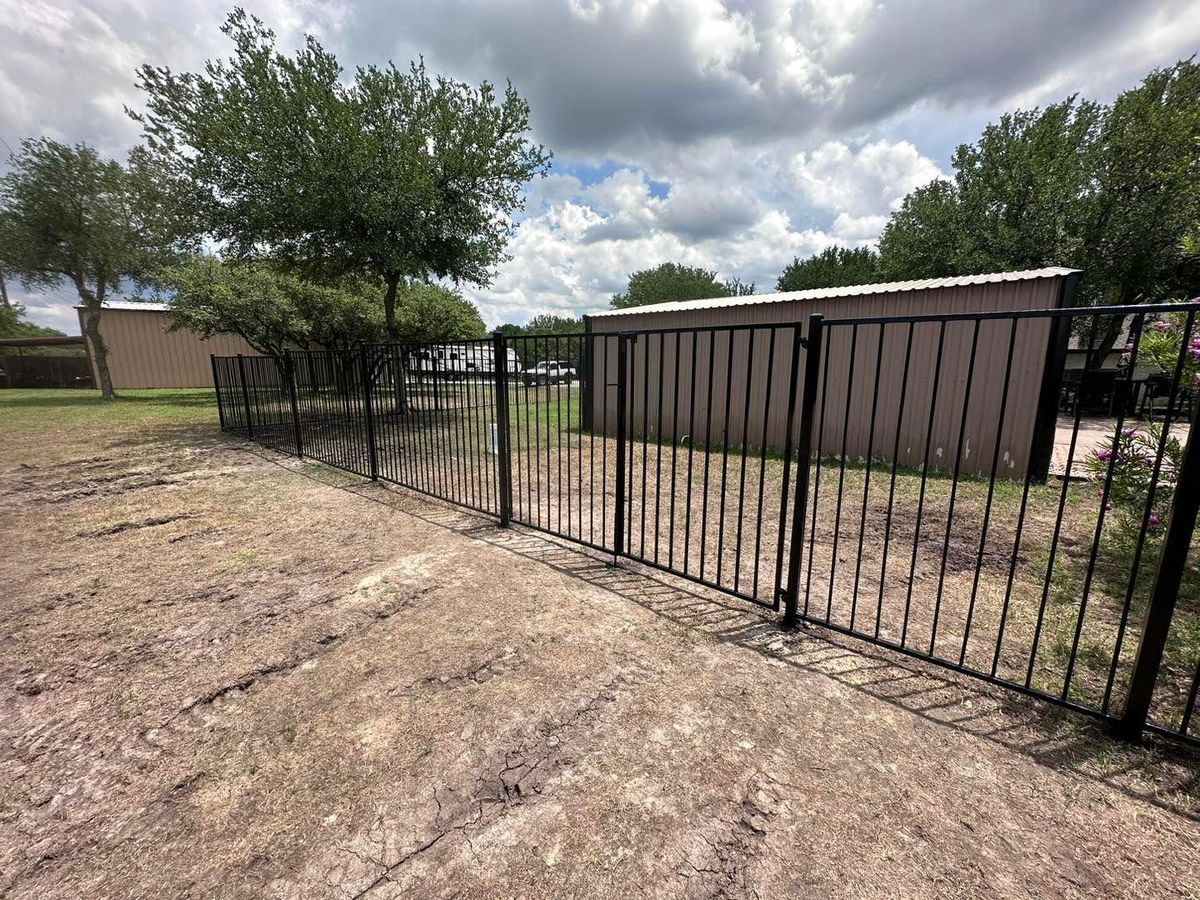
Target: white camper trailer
{"points": [[459, 361]]}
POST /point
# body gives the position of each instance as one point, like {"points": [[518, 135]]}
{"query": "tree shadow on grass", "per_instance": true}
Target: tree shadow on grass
{"points": [[1156, 771]]}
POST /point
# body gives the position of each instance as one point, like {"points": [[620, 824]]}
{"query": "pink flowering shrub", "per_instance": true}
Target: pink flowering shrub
{"points": [[1131, 456]]}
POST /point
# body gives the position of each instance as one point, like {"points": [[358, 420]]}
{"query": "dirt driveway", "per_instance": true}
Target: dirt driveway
{"points": [[226, 673]]}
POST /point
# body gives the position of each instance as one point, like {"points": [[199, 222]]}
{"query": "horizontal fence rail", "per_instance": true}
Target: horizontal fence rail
{"points": [[998, 493]]}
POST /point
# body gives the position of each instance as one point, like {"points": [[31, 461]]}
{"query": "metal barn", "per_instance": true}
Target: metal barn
{"points": [[142, 353], [720, 371]]}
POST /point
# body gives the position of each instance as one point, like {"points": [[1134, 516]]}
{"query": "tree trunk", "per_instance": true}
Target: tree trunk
{"points": [[392, 280], [1098, 353], [96, 349], [1109, 331], [4, 291]]}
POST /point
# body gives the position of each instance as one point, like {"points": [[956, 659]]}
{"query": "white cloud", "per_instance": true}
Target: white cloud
{"points": [[870, 180], [574, 253], [53, 309]]}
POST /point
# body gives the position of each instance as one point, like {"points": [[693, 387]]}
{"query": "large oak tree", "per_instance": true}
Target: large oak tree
{"points": [[394, 173], [67, 215]]}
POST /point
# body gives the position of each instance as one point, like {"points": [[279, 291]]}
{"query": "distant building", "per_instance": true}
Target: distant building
{"points": [[142, 353]]}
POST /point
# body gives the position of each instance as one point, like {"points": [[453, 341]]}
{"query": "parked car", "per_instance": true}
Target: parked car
{"points": [[549, 372]]}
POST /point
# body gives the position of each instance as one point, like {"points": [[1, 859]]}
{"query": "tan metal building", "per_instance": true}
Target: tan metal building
{"points": [[142, 353], [718, 370]]}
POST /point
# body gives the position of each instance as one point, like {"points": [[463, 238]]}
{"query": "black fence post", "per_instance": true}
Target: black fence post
{"points": [[586, 387], [245, 395], [217, 387], [1181, 525], [808, 403], [291, 377], [372, 456], [1045, 420], [503, 451], [619, 510]]}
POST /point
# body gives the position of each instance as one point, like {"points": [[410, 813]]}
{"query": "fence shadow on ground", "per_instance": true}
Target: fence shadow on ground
{"points": [[1158, 772]]}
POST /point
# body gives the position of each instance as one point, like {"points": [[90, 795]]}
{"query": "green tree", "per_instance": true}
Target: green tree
{"points": [[1018, 199], [270, 308], [68, 215], [429, 313], [923, 237], [672, 281], [1113, 190], [551, 323], [394, 173], [832, 267], [548, 332]]}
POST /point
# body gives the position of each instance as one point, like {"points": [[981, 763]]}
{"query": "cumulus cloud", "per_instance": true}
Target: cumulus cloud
{"points": [[729, 135], [872, 179], [573, 254]]}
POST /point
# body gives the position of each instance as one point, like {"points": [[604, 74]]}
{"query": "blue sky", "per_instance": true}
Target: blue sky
{"points": [[730, 135]]}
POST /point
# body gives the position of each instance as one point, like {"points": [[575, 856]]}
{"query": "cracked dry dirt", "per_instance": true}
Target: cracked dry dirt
{"points": [[230, 674]]}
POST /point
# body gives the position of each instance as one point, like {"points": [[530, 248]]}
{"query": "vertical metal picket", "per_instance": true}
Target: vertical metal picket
{"points": [[372, 452], [290, 367], [217, 387], [808, 403], [1181, 525], [503, 450], [245, 395], [622, 385]]}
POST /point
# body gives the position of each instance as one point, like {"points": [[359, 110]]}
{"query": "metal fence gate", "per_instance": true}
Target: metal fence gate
{"points": [[1040, 538]]}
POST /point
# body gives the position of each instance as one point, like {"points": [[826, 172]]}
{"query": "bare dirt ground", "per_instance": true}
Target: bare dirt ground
{"points": [[227, 673]]}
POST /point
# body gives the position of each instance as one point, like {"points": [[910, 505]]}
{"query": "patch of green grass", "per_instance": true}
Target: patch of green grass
{"points": [[244, 556], [72, 408]]}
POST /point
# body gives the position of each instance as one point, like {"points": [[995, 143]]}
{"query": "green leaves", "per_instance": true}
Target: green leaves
{"points": [[270, 308], [396, 173], [1113, 190], [14, 324], [66, 214], [671, 282], [273, 308], [428, 312], [832, 267]]}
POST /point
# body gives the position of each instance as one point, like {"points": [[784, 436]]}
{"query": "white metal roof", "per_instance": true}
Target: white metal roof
{"points": [[131, 304], [856, 290]]}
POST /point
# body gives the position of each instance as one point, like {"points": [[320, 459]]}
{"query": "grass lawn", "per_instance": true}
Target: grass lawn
{"points": [[43, 408], [75, 420]]}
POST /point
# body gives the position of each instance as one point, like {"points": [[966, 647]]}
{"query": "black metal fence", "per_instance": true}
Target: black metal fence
{"points": [[1040, 538]]}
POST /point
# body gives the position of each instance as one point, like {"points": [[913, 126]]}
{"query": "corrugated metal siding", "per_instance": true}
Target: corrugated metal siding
{"points": [[143, 354], [851, 417]]}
